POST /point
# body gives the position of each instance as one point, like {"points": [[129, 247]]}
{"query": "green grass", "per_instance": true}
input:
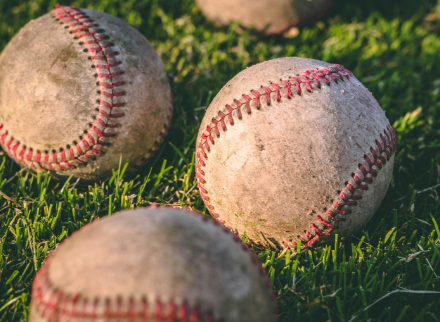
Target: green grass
{"points": [[388, 272]]}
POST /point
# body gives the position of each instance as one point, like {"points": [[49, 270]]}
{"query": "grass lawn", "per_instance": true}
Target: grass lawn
{"points": [[388, 272]]}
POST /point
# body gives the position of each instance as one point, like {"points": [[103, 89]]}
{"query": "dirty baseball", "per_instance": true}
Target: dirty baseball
{"points": [[294, 149], [155, 264], [81, 90]]}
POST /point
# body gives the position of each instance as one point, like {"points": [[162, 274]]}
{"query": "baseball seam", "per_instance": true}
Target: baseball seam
{"points": [[50, 300], [91, 143], [312, 79]]}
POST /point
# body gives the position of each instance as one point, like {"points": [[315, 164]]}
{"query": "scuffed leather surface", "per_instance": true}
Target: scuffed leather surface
{"points": [[166, 254], [269, 16], [49, 92], [276, 169]]}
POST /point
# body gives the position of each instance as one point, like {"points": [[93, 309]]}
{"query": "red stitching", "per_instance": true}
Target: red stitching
{"points": [[288, 87], [247, 103], [90, 146], [80, 23], [360, 180], [346, 200], [256, 99], [47, 298]]}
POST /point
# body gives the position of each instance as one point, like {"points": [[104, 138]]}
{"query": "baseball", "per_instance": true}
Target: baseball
{"points": [[155, 264], [294, 148], [267, 16], [79, 90]]}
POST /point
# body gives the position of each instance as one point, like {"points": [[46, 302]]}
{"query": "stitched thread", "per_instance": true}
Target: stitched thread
{"points": [[89, 145], [50, 300], [285, 88], [359, 181]]}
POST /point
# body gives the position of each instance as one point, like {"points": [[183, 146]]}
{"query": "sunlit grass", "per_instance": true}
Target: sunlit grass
{"points": [[388, 272]]}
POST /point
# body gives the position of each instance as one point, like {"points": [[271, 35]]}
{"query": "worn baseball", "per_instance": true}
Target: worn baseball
{"points": [[267, 16], [294, 148], [155, 264], [81, 90]]}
